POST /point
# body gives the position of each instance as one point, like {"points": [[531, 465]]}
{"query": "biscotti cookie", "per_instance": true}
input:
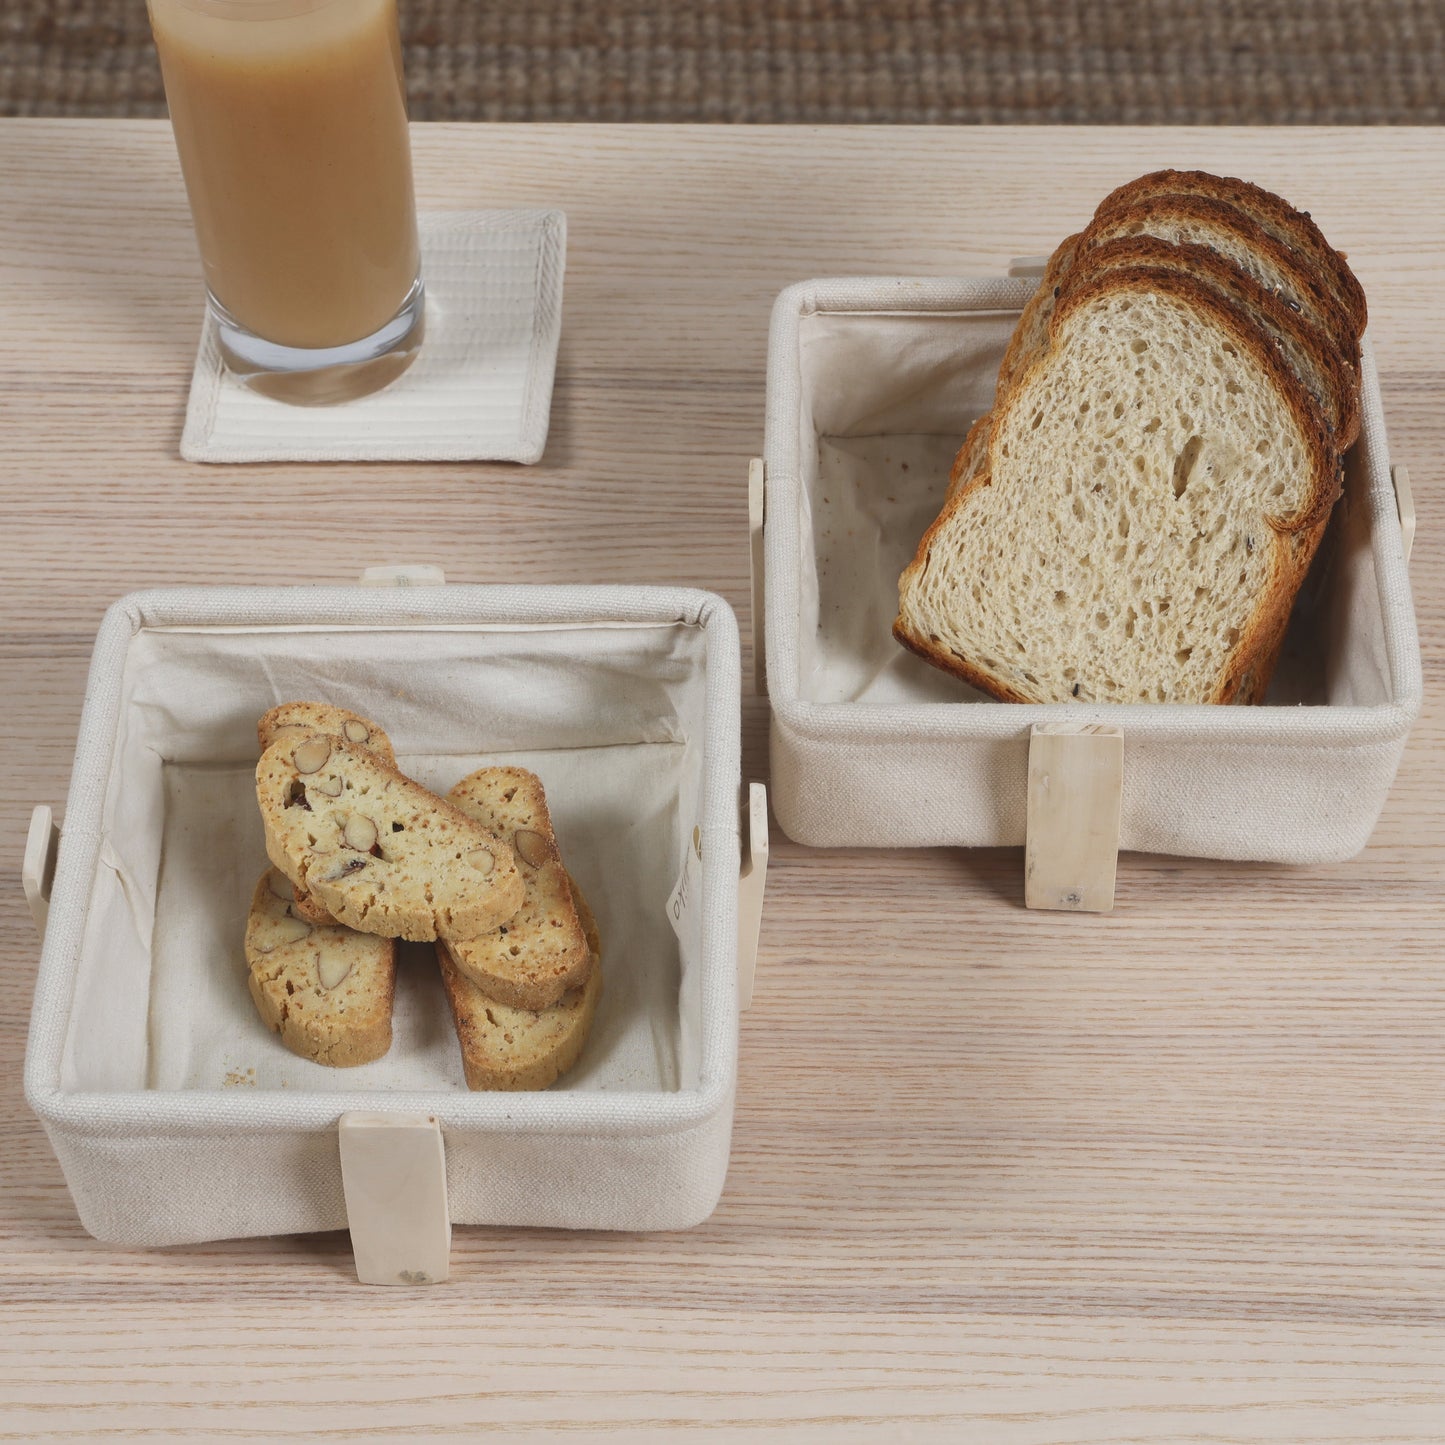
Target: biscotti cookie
{"points": [[512, 1048], [378, 851], [299, 718], [326, 991], [542, 952]]}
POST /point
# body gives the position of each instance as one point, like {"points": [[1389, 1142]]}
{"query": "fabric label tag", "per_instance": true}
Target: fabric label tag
{"points": [[683, 900]]}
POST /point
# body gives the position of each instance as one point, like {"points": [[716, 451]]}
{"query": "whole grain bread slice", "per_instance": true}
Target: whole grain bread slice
{"points": [[541, 952], [1154, 478], [1203, 221], [1271, 213], [506, 1047], [1328, 371], [380, 853], [1030, 337], [327, 991]]}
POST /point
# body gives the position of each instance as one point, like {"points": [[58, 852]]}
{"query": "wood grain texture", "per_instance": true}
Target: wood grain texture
{"points": [[1170, 1174]]}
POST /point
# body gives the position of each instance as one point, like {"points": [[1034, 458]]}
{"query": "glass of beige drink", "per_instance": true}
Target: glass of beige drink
{"points": [[290, 120]]}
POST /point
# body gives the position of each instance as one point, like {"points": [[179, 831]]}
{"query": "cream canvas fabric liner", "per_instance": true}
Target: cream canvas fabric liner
{"points": [[481, 389], [872, 384], [178, 1117]]}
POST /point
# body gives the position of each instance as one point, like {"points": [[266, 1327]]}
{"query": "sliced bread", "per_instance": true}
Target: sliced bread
{"points": [[1327, 366], [1202, 221], [505, 1047], [1329, 372], [541, 952], [379, 852], [1154, 479], [326, 991], [1028, 340], [1271, 213]]}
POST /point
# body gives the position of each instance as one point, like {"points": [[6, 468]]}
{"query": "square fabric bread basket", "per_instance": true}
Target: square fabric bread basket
{"points": [[872, 384], [178, 1117]]}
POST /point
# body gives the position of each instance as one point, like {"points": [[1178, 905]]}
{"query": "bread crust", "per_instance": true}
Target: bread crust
{"points": [[1272, 213]]}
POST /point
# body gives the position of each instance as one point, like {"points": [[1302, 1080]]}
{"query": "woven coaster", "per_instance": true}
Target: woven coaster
{"points": [[480, 390]]}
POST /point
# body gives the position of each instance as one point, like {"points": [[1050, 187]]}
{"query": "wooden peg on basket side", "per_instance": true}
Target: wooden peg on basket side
{"points": [[1075, 786]]}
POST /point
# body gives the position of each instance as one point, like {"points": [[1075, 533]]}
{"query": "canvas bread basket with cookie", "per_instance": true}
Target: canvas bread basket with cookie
{"points": [[186, 1094]]}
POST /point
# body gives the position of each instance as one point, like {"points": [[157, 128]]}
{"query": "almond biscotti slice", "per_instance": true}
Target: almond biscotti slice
{"points": [[326, 991], [1156, 480], [541, 952], [504, 1047], [300, 718], [379, 852]]}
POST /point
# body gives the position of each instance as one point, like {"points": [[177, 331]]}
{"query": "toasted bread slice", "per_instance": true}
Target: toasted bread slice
{"points": [[327, 991], [504, 1047], [380, 853], [1155, 479], [542, 951]]}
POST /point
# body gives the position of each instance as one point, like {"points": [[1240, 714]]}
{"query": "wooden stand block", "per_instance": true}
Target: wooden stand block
{"points": [[757, 476], [37, 867], [1076, 781], [752, 883], [1405, 505], [393, 1170]]}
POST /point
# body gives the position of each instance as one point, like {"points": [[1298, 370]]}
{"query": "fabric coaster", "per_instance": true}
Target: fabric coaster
{"points": [[481, 389]]}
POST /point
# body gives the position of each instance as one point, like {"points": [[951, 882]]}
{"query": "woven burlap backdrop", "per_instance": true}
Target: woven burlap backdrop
{"points": [[1090, 61]]}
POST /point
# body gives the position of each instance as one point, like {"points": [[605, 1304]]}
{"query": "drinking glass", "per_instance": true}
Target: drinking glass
{"points": [[290, 121]]}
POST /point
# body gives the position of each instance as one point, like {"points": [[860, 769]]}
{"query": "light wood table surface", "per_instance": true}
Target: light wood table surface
{"points": [[1176, 1174]]}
